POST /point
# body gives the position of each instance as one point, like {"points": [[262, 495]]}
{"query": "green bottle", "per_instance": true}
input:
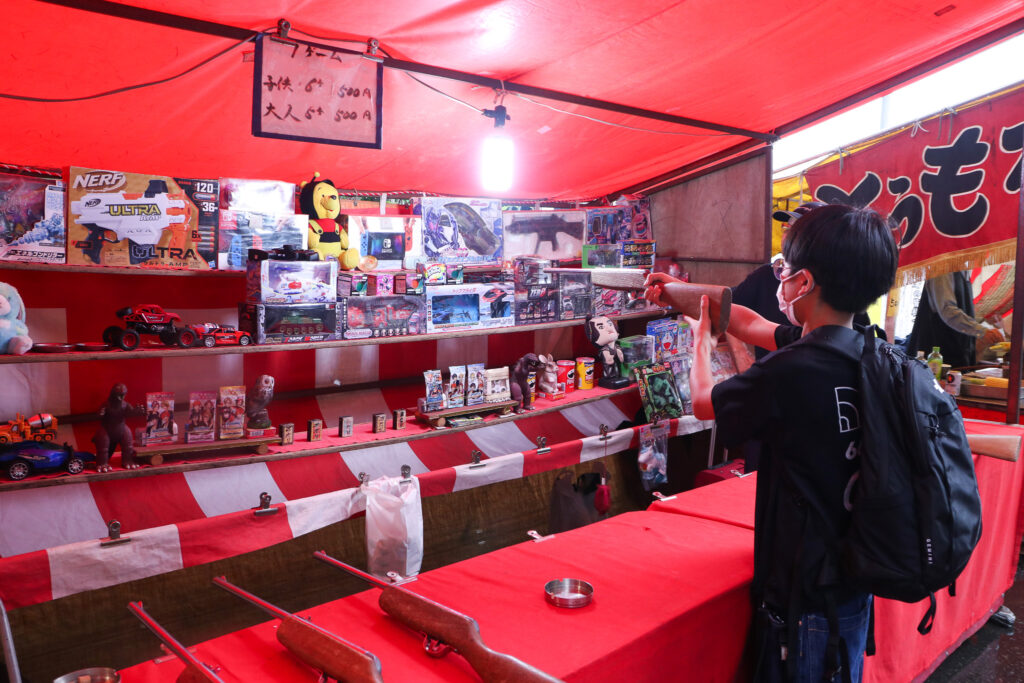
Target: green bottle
{"points": [[935, 362]]}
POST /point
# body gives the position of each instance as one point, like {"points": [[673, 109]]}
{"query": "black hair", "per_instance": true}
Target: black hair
{"points": [[851, 253]]}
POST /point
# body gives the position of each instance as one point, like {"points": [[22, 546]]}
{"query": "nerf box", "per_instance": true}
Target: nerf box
{"points": [[271, 281], [203, 194], [31, 219], [366, 317], [132, 219], [469, 306], [240, 231], [282, 323]]}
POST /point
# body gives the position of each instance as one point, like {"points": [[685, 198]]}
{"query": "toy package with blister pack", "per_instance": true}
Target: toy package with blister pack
{"points": [[31, 219]]}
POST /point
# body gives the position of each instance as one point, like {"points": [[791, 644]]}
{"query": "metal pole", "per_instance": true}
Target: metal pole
{"points": [[7, 640], [1017, 328]]}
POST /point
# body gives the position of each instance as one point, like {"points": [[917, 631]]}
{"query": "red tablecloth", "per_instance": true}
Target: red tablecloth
{"points": [[730, 501], [670, 600]]}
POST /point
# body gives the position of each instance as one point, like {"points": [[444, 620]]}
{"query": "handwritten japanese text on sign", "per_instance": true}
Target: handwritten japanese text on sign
{"points": [[316, 93]]}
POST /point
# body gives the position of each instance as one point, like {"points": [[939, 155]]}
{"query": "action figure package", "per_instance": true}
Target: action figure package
{"points": [[202, 412], [456, 230], [133, 219], [637, 352], [366, 317], [536, 290], [271, 281], [440, 273], [723, 366], [665, 332], [554, 235], [608, 301], [680, 365], [351, 283], [435, 399], [231, 412], [658, 392], [476, 381], [456, 386], [383, 237], [240, 231], [469, 307], [653, 456], [281, 323], [575, 294], [31, 219], [629, 220], [601, 256], [160, 426]]}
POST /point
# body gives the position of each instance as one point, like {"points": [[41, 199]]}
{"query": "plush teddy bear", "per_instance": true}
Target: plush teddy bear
{"points": [[329, 238], [14, 337]]}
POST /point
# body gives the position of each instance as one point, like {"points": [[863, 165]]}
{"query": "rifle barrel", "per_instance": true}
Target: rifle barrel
{"points": [[324, 557], [170, 642], [246, 595]]}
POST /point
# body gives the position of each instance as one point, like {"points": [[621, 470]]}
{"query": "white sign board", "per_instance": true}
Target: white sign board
{"points": [[316, 93]]}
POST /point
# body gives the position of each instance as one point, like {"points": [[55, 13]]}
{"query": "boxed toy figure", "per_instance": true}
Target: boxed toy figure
{"points": [[637, 351], [410, 283], [607, 225], [291, 282], [380, 284], [475, 382], [277, 323], [467, 307], [351, 283], [575, 294], [555, 235], [240, 231], [496, 386], [435, 390], [457, 230], [637, 253], [658, 392], [31, 219], [202, 414], [381, 316], [231, 412], [680, 365], [456, 386], [536, 291], [665, 332], [132, 219], [601, 256], [608, 301], [440, 273], [160, 426]]}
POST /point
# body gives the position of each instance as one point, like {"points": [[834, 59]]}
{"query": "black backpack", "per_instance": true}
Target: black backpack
{"points": [[916, 510]]}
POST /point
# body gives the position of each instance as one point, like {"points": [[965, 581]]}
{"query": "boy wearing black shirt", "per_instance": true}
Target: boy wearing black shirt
{"points": [[801, 402]]}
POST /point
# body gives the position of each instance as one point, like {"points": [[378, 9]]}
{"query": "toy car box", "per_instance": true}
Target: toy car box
{"points": [[32, 225], [291, 282], [131, 219], [367, 317], [469, 307], [280, 323]]}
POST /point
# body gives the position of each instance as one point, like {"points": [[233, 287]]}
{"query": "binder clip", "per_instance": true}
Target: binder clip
{"points": [[604, 433], [264, 506], [475, 456], [114, 536], [542, 445], [406, 474], [364, 478]]}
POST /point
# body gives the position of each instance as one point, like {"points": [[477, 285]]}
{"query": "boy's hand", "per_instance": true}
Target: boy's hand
{"points": [[653, 287], [702, 326]]}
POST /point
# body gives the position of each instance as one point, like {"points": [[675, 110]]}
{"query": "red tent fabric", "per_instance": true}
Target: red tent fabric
{"points": [[755, 65]]}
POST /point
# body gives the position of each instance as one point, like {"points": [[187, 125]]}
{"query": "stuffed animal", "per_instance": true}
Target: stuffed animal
{"points": [[14, 337], [520, 380], [319, 200], [547, 377]]}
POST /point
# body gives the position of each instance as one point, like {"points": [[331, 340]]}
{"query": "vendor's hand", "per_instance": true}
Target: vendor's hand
{"points": [[992, 336], [701, 327], [653, 287]]}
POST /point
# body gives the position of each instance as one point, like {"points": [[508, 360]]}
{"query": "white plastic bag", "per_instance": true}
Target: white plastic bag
{"points": [[394, 526]]}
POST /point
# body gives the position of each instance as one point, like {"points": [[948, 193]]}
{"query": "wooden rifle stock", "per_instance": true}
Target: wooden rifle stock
{"points": [[1002, 446], [195, 671], [681, 296], [445, 629], [316, 646]]}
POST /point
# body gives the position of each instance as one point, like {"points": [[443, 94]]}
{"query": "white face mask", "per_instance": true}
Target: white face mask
{"points": [[787, 306]]}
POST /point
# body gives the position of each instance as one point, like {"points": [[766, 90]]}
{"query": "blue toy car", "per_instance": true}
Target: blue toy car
{"points": [[22, 459]]}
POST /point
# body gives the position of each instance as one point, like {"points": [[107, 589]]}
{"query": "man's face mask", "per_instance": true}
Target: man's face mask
{"points": [[787, 306]]}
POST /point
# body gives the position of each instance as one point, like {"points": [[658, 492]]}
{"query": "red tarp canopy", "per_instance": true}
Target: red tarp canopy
{"points": [[755, 65]]}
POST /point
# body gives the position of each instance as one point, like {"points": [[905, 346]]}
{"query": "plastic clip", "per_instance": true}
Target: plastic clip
{"points": [[542, 445], [114, 536], [475, 456], [264, 506]]}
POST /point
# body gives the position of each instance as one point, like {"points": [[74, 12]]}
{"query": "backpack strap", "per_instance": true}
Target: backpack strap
{"points": [[928, 620], [869, 644], [837, 659]]}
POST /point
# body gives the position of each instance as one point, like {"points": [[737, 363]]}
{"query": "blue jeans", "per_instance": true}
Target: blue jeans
{"points": [[812, 641]]}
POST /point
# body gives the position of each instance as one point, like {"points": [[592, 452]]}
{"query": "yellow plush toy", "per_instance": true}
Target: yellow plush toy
{"points": [[319, 200]]}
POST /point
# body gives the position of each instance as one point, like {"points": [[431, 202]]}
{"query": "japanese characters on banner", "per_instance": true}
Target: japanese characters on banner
{"points": [[952, 182]]}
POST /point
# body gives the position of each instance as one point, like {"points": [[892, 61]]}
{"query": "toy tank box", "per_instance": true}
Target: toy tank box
{"points": [[257, 214], [133, 219], [31, 219], [366, 317], [554, 235], [282, 323], [271, 281], [469, 307]]}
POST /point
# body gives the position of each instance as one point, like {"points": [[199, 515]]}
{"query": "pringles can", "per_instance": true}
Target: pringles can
{"points": [[566, 376], [584, 373], [531, 381]]}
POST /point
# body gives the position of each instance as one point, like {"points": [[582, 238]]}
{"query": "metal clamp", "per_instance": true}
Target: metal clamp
{"points": [[604, 433], [364, 478], [406, 474], [537, 538], [397, 579], [475, 457], [114, 536], [372, 46], [264, 506], [542, 445]]}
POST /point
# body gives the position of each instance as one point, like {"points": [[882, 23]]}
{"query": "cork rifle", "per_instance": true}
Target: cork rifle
{"points": [[195, 671], [444, 630], [319, 648]]}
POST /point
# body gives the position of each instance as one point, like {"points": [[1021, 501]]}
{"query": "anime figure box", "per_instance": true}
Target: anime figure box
{"points": [[31, 219]]}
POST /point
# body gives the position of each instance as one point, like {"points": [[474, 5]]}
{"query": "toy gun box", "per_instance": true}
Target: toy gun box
{"points": [[367, 317], [133, 219], [291, 282], [31, 219], [275, 324]]}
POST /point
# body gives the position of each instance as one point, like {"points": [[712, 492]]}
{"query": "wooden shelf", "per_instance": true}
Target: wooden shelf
{"points": [[161, 352], [328, 444], [118, 270]]}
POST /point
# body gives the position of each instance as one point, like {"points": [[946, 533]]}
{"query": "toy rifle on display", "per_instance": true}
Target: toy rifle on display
{"points": [[445, 629], [546, 228], [195, 671], [319, 648], [681, 296]]}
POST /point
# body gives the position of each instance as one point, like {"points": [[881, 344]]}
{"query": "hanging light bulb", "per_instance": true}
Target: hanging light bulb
{"points": [[497, 155]]}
